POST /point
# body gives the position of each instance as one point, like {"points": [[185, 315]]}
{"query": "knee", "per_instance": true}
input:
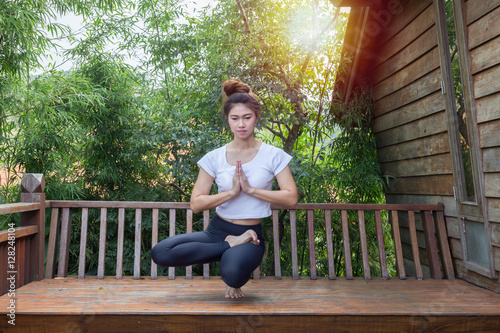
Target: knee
{"points": [[235, 278], [155, 255], [159, 255]]}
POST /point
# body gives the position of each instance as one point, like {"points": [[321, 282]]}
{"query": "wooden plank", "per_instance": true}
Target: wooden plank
{"points": [[51, 247], [171, 230], [417, 69], [20, 232], [411, 31], [421, 166], [414, 246], [364, 245], [486, 82], [189, 229], [119, 204], [475, 9], [493, 211], [424, 43], [431, 245], [62, 268], [426, 185], [419, 109], [381, 245], [404, 12], [487, 108], [119, 245], [329, 244], [491, 158], [347, 245], [276, 242], [293, 238], [484, 29], [102, 244], [312, 244], [430, 145], [444, 246], [488, 134], [485, 56], [420, 88], [397, 245], [83, 243], [137, 244], [18, 207], [206, 220], [492, 185], [428, 126]]}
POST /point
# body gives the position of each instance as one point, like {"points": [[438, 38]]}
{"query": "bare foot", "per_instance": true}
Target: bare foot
{"points": [[248, 236], [234, 292]]}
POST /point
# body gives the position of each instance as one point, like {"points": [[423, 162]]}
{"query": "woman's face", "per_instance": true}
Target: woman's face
{"points": [[242, 121]]}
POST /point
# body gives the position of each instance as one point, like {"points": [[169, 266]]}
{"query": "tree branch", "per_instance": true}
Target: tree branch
{"points": [[278, 134], [243, 16]]}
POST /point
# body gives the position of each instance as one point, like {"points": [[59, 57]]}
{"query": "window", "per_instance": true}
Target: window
{"points": [[457, 88]]}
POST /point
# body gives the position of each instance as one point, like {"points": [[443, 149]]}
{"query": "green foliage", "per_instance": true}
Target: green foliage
{"points": [[106, 130]]}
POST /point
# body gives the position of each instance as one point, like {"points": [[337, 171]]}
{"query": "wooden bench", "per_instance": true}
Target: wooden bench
{"points": [[316, 302]]}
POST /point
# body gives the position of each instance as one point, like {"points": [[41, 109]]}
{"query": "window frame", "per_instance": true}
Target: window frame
{"points": [[467, 211]]}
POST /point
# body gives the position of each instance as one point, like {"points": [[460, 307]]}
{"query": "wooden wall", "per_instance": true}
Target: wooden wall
{"points": [[410, 119]]}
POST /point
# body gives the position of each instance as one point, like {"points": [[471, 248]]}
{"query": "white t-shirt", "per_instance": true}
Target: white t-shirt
{"points": [[260, 172]]}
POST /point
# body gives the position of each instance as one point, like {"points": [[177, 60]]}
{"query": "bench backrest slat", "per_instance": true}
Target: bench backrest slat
{"points": [[293, 239], [364, 245], [102, 244], [119, 243], [171, 270], [445, 247], [154, 241], [137, 244], [51, 246], [397, 245], [206, 221], [83, 243], [189, 229], [431, 248], [414, 245], [329, 244], [62, 268], [347, 245], [381, 245], [312, 246], [276, 243]]}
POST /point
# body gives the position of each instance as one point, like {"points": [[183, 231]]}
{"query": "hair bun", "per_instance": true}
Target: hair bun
{"points": [[233, 86]]}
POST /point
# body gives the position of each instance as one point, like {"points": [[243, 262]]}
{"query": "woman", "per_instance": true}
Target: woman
{"points": [[243, 170]]}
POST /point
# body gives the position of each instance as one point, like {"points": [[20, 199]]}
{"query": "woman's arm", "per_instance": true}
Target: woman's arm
{"points": [[287, 195], [201, 199]]}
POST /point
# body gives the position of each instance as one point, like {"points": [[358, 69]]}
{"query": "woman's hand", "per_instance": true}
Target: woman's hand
{"points": [[236, 181], [243, 181]]}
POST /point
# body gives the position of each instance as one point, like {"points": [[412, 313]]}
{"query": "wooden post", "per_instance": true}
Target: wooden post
{"points": [[32, 185]]}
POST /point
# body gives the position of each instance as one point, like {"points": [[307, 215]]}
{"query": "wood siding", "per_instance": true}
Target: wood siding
{"points": [[411, 124]]}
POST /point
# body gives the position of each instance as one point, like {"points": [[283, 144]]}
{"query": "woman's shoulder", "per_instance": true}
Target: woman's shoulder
{"points": [[270, 149]]}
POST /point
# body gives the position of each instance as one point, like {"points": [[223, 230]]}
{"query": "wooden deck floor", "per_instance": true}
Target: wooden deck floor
{"points": [[109, 305]]}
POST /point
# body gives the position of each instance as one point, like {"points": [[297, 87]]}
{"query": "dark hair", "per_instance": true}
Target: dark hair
{"points": [[238, 92]]}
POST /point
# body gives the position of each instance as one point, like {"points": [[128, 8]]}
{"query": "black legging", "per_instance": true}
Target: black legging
{"points": [[236, 263]]}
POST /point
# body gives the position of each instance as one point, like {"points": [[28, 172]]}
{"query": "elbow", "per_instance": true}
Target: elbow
{"points": [[194, 207], [294, 199]]}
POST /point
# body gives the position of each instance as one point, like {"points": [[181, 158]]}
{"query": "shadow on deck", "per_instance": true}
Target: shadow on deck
{"points": [[181, 305]]}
